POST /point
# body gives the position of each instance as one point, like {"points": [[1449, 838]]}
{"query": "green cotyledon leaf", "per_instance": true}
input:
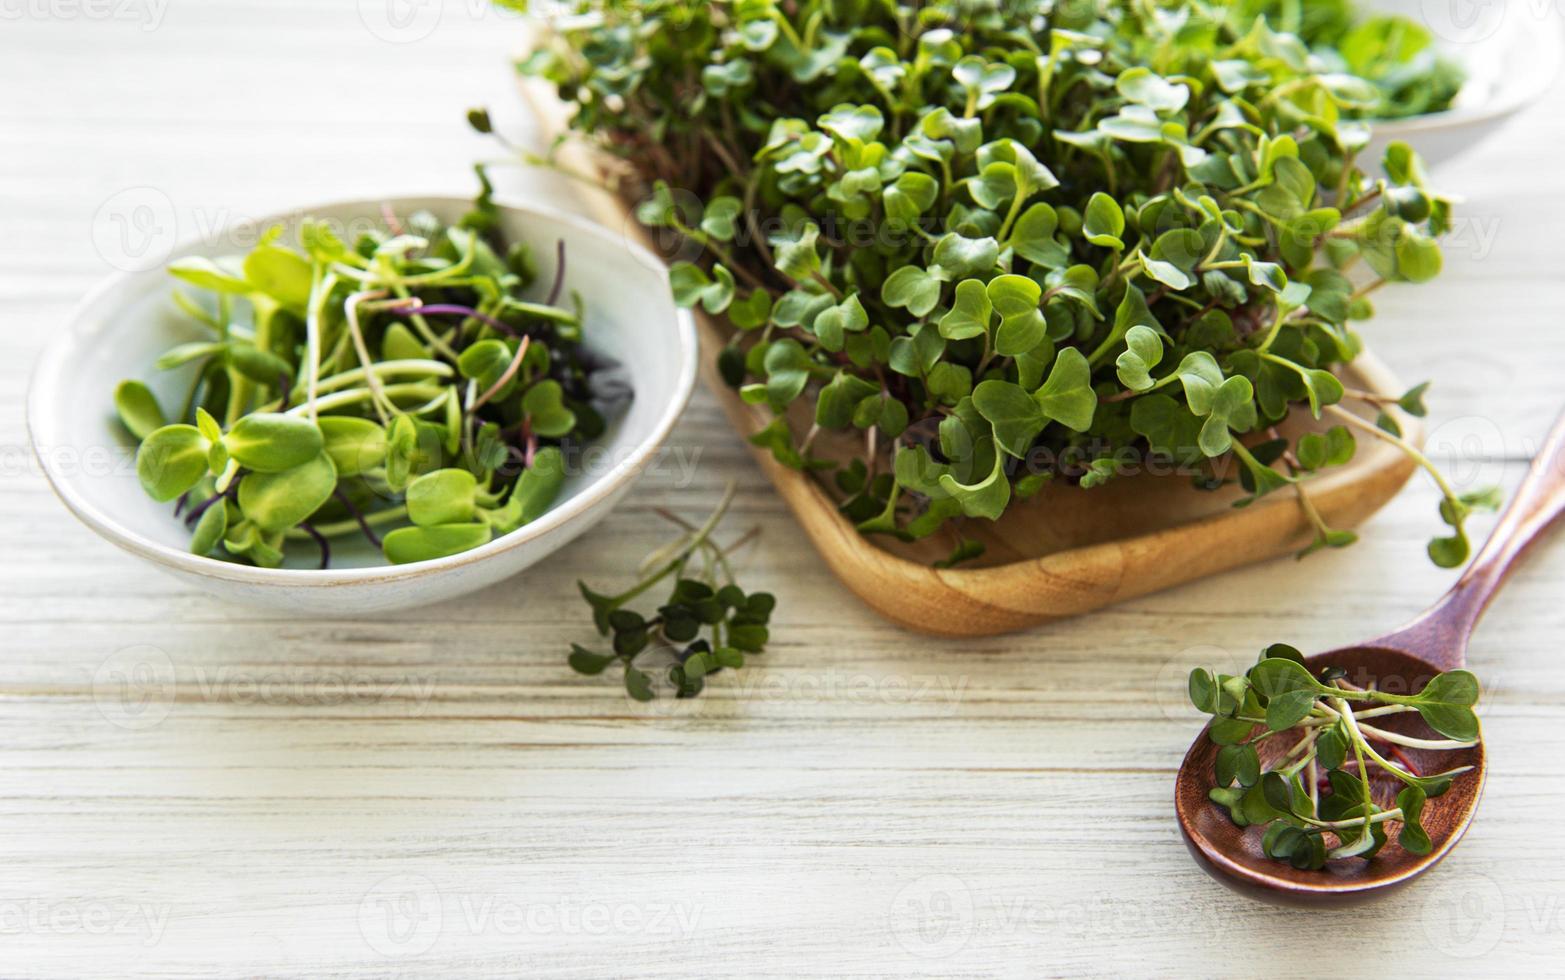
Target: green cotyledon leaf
{"points": [[986, 498], [1143, 352], [1067, 396], [443, 497], [899, 171], [545, 409], [171, 461], [408, 545], [971, 312], [272, 443], [138, 409], [277, 501], [355, 445], [1016, 416]]}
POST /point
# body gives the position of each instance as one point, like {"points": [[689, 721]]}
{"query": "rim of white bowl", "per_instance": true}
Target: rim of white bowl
{"points": [[1549, 42], [49, 371]]}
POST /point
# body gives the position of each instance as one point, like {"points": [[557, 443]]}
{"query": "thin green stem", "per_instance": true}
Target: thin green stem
{"points": [[1411, 450], [344, 528], [343, 399], [383, 407], [691, 544], [321, 286]]}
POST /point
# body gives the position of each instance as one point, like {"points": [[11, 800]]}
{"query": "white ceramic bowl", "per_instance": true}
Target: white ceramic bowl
{"points": [[1511, 52], [122, 326]]}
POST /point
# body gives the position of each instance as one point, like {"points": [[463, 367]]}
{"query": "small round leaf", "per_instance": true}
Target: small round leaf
{"points": [[279, 501], [171, 460], [272, 443]]}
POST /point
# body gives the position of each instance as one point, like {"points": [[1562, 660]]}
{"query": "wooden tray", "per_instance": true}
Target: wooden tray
{"points": [[1065, 552]]}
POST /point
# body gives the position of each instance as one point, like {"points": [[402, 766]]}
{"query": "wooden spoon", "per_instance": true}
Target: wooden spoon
{"points": [[1401, 662]]}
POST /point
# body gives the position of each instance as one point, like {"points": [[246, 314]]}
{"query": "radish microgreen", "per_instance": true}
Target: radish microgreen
{"points": [[1066, 241], [706, 624], [1316, 798]]}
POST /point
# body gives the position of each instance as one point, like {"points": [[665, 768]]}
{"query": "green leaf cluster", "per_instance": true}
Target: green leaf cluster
{"points": [[402, 383], [706, 624], [1296, 750], [990, 239]]}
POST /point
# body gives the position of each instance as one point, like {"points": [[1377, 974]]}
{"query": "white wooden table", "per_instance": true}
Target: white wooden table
{"points": [[189, 788]]}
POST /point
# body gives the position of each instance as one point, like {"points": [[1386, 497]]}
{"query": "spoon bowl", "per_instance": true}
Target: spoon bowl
{"points": [[1401, 663], [1233, 854]]}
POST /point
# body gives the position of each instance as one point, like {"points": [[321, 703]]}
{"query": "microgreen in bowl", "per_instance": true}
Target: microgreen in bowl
{"points": [[1316, 797], [401, 387], [991, 246]]}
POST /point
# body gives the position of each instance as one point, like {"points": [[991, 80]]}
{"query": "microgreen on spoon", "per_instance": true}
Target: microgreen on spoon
{"points": [[1249, 798]]}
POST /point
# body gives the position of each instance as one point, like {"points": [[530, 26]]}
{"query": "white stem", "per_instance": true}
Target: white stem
{"points": [[1352, 723], [510, 372], [378, 393], [1408, 741], [312, 323], [1397, 738], [1381, 817], [385, 370], [1389, 709], [343, 399]]}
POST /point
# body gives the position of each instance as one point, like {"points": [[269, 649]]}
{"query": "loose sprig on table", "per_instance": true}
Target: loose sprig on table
{"points": [[1308, 824], [1002, 244], [703, 599], [402, 387]]}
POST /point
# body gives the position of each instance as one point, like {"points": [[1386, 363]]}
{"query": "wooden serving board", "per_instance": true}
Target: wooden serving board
{"points": [[1066, 551]]}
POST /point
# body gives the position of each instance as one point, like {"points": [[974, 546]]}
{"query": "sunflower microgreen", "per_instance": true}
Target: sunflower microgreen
{"points": [[403, 387]]}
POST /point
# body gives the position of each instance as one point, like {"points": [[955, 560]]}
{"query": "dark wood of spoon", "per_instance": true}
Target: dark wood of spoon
{"points": [[1401, 662]]}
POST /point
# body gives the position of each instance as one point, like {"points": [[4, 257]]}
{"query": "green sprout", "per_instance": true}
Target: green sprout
{"points": [[706, 624], [1316, 797], [402, 387], [993, 245]]}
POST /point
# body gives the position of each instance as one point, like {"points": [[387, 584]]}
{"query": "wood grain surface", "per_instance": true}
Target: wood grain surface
{"points": [[194, 789]]}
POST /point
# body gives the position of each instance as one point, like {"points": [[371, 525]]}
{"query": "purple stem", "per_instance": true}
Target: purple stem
{"points": [[179, 505], [559, 274], [206, 505], [320, 539], [358, 515], [449, 309]]}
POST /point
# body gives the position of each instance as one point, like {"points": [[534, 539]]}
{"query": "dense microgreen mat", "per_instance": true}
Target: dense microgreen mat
{"points": [[400, 386], [997, 244], [1317, 798]]}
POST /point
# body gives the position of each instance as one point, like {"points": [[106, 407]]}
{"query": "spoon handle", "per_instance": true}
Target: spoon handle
{"points": [[1440, 635]]}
